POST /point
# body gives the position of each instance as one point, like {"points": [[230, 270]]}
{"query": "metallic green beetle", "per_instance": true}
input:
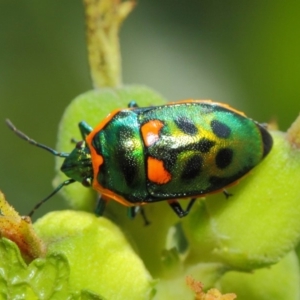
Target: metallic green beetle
{"points": [[184, 149]]}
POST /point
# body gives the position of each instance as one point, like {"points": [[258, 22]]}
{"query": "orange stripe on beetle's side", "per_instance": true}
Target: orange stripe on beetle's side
{"points": [[97, 159], [157, 172], [150, 131]]}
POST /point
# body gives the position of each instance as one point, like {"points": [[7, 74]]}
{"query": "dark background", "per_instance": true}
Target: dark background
{"points": [[244, 53]]}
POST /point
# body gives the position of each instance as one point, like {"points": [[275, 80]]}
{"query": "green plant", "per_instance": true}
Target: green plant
{"points": [[246, 244]]}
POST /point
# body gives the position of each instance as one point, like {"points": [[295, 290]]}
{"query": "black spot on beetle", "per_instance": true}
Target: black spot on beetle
{"points": [[220, 129], [102, 171], [224, 158], [170, 159], [96, 143], [125, 158], [204, 145], [219, 182], [129, 167], [186, 125], [192, 168]]}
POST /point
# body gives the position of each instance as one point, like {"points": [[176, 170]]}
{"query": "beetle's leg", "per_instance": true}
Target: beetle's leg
{"points": [[100, 206], [132, 104], [180, 212], [143, 214], [74, 141], [227, 194], [132, 211], [85, 129]]}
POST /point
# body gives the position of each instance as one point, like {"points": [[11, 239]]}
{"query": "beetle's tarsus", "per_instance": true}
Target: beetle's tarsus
{"points": [[180, 212], [227, 194], [143, 214], [134, 210]]}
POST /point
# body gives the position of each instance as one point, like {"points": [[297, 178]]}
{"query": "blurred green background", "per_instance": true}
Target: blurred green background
{"points": [[244, 53]]}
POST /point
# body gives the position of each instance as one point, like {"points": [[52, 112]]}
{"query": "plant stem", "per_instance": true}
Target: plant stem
{"points": [[103, 21]]}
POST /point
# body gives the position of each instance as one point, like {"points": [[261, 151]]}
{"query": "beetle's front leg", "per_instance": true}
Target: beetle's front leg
{"points": [[132, 104], [100, 206], [85, 129]]}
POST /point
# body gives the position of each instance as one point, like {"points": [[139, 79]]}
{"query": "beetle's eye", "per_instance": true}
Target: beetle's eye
{"points": [[79, 145], [87, 182]]}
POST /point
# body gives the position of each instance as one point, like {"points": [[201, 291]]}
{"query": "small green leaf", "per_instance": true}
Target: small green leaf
{"points": [[49, 277], [42, 279], [11, 265]]}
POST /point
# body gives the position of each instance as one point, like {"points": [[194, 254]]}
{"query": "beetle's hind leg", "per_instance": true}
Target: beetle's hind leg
{"points": [[180, 212]]}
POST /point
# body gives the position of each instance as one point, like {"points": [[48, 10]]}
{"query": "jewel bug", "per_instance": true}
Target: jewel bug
{"points": [[184, 149]]}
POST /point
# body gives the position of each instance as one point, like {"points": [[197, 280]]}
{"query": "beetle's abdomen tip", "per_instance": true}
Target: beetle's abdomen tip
{"points": [[267, 140]]}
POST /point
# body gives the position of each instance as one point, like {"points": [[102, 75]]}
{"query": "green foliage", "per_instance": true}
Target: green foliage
{"points": [[243, 244], [255, 228], [101, 259], [280, 281], [44, 278]]}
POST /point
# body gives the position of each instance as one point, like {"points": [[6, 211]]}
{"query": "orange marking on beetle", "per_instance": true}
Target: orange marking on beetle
{"points": [[150, 131], [157, 172], [97, 159], [110, 195]]}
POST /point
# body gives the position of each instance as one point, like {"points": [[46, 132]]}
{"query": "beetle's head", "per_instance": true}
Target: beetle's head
{"points": [[78, 164]]}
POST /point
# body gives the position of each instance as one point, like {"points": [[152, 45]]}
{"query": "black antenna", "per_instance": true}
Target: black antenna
{"points": [[65, 183], [52, 151], [32, 141]]}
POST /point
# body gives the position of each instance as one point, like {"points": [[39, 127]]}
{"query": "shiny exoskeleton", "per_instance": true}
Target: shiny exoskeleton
{"points": [[180, 150]]}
